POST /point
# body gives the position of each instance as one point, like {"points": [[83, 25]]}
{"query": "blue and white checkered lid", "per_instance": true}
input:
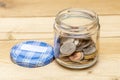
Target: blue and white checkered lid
{"points": [[32, 54]]}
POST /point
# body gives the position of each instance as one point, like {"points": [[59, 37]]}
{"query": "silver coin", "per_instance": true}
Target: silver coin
{"points": [[86, 43], [90, 50], [62, 55], [79, 48], [66, 40], [83, 44], [67, 48]]}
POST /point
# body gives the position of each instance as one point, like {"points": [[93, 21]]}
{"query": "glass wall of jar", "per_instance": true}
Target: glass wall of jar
{"points": [[76, 38]]}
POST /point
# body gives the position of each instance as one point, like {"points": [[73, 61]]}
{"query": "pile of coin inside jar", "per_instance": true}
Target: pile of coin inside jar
{"points": [[77, 50]]}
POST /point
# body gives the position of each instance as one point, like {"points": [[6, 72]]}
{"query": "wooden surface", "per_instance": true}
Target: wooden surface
{"points": [[15, 30], [22, 20], [39, 28], [29, 8]]}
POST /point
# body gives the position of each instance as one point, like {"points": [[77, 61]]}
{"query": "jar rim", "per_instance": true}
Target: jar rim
{"points": [[88, 12]]}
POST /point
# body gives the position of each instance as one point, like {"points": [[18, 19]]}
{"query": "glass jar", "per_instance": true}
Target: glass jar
{"points": [[76, 38]]}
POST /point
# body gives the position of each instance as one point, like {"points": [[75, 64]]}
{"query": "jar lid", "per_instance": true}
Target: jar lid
{"points": [[32, 54]]}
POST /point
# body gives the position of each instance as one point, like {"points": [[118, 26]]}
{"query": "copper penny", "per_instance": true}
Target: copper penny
{"points": [[76, 57]]}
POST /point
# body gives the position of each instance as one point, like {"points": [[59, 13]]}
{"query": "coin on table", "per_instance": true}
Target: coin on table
{"points": [[76, 57], [67, 48]]}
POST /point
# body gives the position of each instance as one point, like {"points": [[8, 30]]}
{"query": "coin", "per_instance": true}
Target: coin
{"points": [[84, 61], [62, 55], [83, 44], [90, 52], [66, 40], [79, 48], [67, 48], [91, 56], [76, 57], [90, 49], [86, 43], [66, 59]]}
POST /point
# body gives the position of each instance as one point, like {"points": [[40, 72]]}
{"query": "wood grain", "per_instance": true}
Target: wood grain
{"points": [[29, 26], [28, 8], [42, 28], [106, 69], [16, 30]]}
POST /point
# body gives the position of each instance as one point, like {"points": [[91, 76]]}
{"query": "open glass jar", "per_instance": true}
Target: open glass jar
{"points": [[76, 38]]}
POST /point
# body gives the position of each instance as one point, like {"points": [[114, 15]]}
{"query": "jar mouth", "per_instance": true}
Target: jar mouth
{"points": [[75, 12]]}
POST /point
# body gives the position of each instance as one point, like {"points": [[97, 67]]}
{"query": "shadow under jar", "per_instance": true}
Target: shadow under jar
{"points": [[76, 38]]}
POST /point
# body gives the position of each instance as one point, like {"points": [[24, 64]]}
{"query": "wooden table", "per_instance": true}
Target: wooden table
{"points": [[35, 8], [108, 67], [33, 20]]}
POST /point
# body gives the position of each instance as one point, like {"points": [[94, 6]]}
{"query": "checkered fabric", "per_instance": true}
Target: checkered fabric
{"points": [[32, 54]]}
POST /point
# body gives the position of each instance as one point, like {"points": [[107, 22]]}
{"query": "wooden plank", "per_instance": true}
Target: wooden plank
{"points": [[41, 24], [23, 36], [39, 28], [106, 69], [28, 8]]}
